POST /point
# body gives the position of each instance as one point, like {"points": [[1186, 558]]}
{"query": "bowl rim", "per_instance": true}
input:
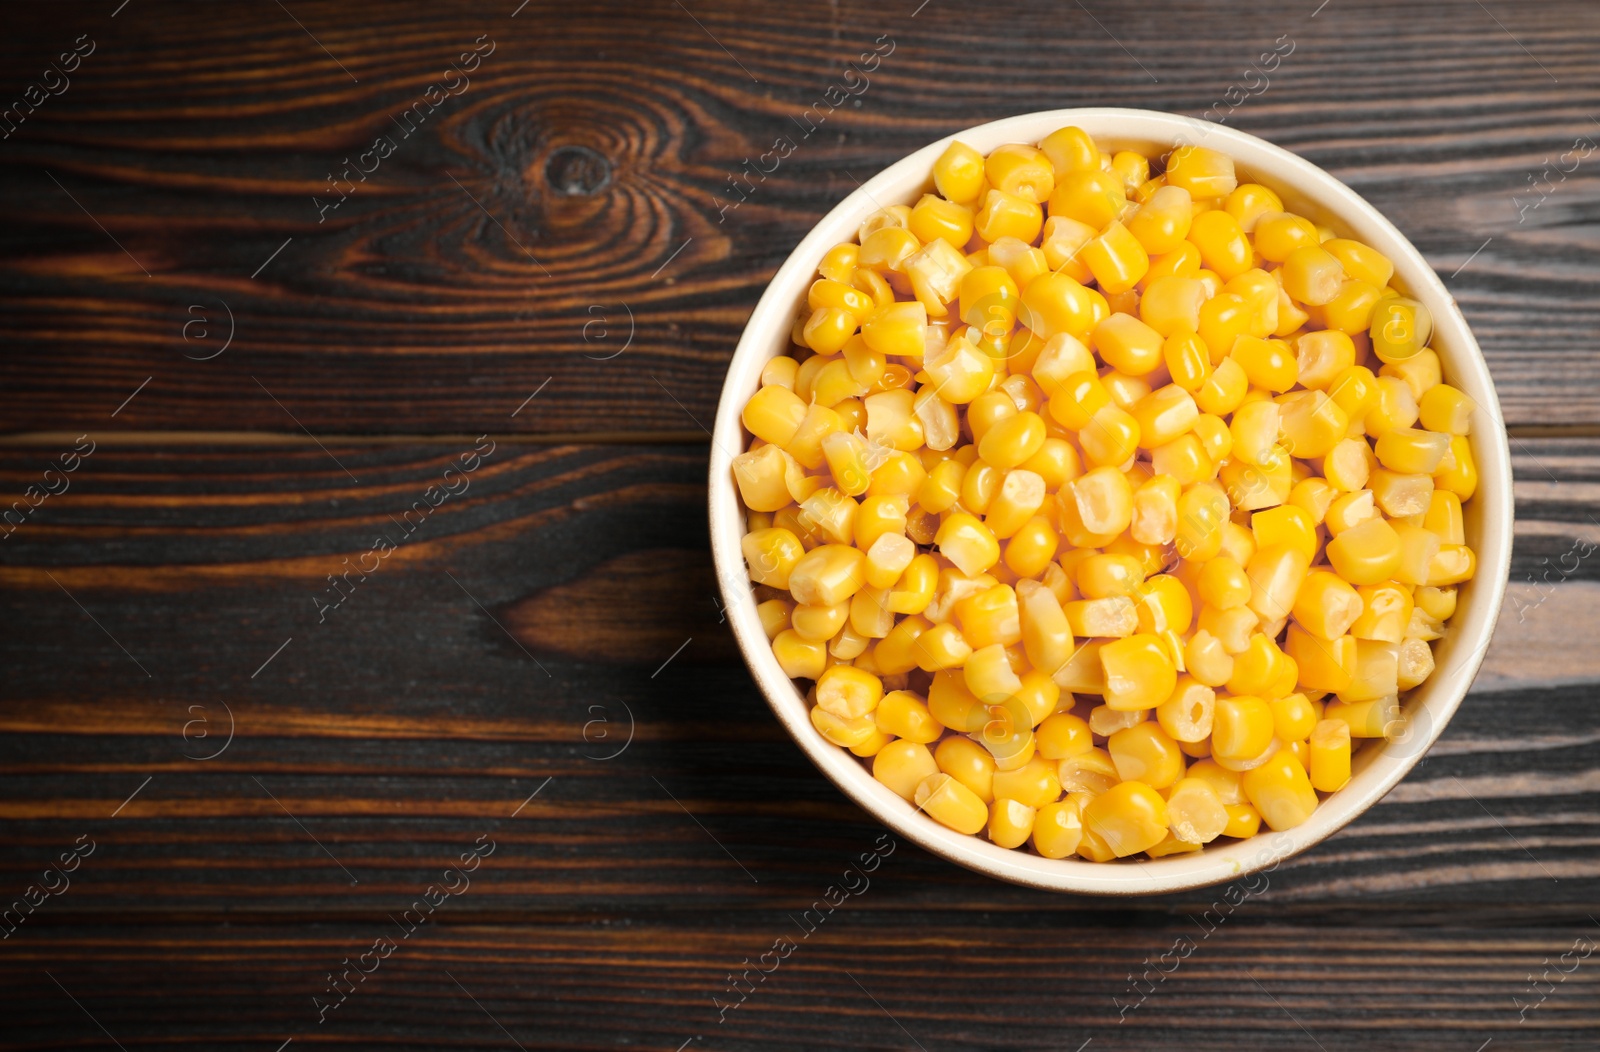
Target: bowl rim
{"points": [[1378, 769]]}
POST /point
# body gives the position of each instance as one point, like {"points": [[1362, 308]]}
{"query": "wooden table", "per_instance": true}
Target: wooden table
{"points": [[283, 266]]}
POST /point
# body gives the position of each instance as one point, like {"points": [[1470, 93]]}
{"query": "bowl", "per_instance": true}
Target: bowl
{"points": [[1305, 189]]}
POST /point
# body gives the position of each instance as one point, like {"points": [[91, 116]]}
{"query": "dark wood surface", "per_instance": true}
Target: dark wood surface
{"points": [[563, 607]]}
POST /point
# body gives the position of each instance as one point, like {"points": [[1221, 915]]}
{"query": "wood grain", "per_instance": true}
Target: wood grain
{"points": [[910, 979], [480, 261], [562, 599]]}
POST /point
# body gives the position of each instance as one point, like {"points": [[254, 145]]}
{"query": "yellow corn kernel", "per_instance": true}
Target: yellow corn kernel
{"points": [[1365, 554], [886, 249], [1446, 409], [1276, 574], [1038, 694], [1278, 234], [1202, 510], [1214, 436], [1224, 247], [1376, 673], [1128, 344], [942, 647], [935, 272], [1438, 603], [969, 763], [1207, 660], [959, 172], [968, 543], [1454, 564], [771, 555], [1071, 150], [936, 218], [827, 575], [1269, 364], [914, 591], [1045, 633], [1111, 437], [1057, 829], [942, 488], [848, 692], [1008, 215], [1223, 584], [1350, 509], [1063, 735], [763, 477], [870, 615], [1416, 663], [1366, 719], [1322, 356], [773, 414], [1101, 576], [1241, 728], [1116, 259], [1224, 389], [1385, 612], [1187, 359], [903, 765], [800, 658], [1249, 202], [1411, 451], [780, 372], [1224, 782], [1350, 310], [896, 653], [1020, 497], [1162, 221], [846, 733], [1035, 783], [950, 803], [1400, 328], [1090, 771], [806, 444], [1031, 547], [1459, 472], [1146, 754], [1345, 466], [1401, 495], [1134, 169], [846, 454], [839, 262], [1285, 525], [1013, 440], [1311, 424], [1418, 549], [819, 622], [1124, 388], [1260, 669], [833, 383], [900, 474], [1195, 811], [1312, 275], [1422, 372], [1293, 717], [1360, 261], [1201, 171], [952, 705], [1330, 756], [897, 330], [1095, 198], [1023, 171], [1139, 672], [1055, 304], [826, 292], [1113, 617], [1313, 496], [1232, 628], [989, 296], [1164, 415], [1254, 431], [1155, 511], [1326, 605], [1188, 712], [905, 715], [1010, 822], [988, 673], [1280, 791], [774, 614], [1130, 817]]}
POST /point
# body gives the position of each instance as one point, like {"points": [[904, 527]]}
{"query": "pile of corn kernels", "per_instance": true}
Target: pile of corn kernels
{"points": [[1100, 507]]}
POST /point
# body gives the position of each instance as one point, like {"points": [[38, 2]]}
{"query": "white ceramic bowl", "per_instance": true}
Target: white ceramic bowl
{"points": [[1307, 190]]}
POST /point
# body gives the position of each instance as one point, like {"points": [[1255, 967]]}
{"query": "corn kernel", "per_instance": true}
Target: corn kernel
{"points": [[1139, 672], [1400, 328], [1057, 829], [1130, 817], [904, 765], [951, 803], [1366, 554], [1280, 791], [1445, 409], [1201, 171]]}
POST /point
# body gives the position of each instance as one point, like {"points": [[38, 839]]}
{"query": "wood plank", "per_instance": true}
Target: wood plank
{"points": [[916, 978], [594, 176], [425, 710]]}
